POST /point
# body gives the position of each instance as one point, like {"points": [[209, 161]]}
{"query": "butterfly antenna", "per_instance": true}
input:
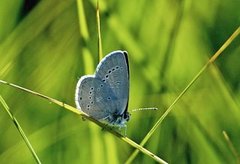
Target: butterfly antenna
{"points": [[140, 109]]}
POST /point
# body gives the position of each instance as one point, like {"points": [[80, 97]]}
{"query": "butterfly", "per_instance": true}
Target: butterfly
{"points": [[104, 95]]}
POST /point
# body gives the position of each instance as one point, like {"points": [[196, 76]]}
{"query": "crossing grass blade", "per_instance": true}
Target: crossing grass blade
{"points": [[159, 121]]}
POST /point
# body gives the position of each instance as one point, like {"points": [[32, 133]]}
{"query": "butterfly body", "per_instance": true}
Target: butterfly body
{"points": [[104, 95]]}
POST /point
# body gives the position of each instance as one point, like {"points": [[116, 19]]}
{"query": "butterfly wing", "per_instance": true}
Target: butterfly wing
{"points": [[113, 70], [94, 97]]}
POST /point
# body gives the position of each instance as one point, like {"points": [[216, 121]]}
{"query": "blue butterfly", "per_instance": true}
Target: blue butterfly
{"points": [[104, 95]]}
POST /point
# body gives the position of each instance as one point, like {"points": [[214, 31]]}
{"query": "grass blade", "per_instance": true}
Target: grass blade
{"points": [[19, 128], [100, 53], [232, 148], [72, 109], [82, 18], [211, 60]]}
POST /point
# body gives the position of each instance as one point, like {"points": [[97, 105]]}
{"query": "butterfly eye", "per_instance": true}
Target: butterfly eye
{"points": [[90, 92], [91, 88], [117, 67], [126, 116], [80, 98], [106, 76], [109, 71], [109, 98]]}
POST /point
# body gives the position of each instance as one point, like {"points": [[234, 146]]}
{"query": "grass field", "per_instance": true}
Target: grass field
{"points": [[46, 46]]}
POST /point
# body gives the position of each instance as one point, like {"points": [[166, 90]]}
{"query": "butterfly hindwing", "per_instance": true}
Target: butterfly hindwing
{"points": [[94, 97]]}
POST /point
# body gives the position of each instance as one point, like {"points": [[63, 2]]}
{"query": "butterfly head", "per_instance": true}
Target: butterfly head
{"points": [[118, 120]]}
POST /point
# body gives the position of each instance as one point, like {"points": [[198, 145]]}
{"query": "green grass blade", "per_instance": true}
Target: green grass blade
{"points": [[19, 128], [72, 109], [100, 53], [231, 147], [82, 18], [211, 60]]}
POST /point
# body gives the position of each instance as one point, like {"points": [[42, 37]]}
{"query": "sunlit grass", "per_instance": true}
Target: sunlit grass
{"points": [[168, 42]]}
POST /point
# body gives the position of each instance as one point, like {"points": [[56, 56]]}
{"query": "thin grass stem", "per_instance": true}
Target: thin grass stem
{"points": [[100, 53], [107, 128], [159, 121], [20, 130], [232, 148]]}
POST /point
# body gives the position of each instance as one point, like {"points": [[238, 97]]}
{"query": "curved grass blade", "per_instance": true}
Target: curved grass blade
{"points": [[72, 109], [20, 130], [210, 61]]}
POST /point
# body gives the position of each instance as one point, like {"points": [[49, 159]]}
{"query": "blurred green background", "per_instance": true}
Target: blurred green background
{"points": [[47, 46]]}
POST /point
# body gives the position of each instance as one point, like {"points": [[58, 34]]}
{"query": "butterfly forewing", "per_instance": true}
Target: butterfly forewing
{"points": [[113, 71]]}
